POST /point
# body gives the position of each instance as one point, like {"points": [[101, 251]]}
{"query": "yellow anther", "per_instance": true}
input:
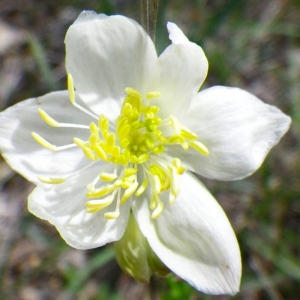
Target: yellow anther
{"points": [[177, 139], [118, 183], [135, 125], [80, 143], [124, 142], [142, 158], [129, 192], [71, 89], [126, 184], [179, 167], [153, 202], [99, 204], [159, 149], [175, 182], [201, 148], [93, 140], [133, 159], [130, 171], [132, 92], [43, 142], [153, 170], [92, 210], [143, 148], [51, 180], [149, 115], [50, 121], [129, 178], [172, 198], [100, 192], [142, 187], [100, 152], [126, 109], [175, 124], [158, 210], [184, 144], [121, 122], [155, 110], [188, 135], [157, 185], [166, 183], [123, 131], [152, 95], [103, 124], [181, 170], [110, 143], [94, 129], [116, 151], [89, 153], [108, 177], [112, 215], [176, 162]]}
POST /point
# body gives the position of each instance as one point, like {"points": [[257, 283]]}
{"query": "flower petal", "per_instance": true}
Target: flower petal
{"points": [[237, 128], [64, 206], [194, 239], [29, 158], [178, 73], [105, 55]]}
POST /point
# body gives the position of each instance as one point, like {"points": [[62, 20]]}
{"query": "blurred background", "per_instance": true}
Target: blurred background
{"points": [[254, 45]]}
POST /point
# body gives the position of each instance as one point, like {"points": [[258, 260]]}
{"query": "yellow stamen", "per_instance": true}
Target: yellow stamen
{"points": [[79, 143], [43, 142], [51, 180], [100, 192], [157, 211], [97, 205], [157, 186], [112, 215], [129, 192], [50, 121], [71, 89], [152, 95], [142, 158], [142, 188], [130, 171], [172, 198], [201, 148], [153, 202], [140, 138], [89, 153], [100, 152], [108, 177]]}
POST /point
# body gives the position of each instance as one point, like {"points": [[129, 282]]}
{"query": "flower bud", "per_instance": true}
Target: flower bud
{"points": [[135, 256]]}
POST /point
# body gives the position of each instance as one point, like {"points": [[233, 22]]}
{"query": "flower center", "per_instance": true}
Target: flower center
{"points": [[134, 152]]}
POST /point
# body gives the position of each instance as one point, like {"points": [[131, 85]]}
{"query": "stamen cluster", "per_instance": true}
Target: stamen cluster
{"points": [[135, 148]]}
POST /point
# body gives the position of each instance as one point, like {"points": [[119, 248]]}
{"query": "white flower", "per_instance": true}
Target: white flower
{"points": [[122, 140]]}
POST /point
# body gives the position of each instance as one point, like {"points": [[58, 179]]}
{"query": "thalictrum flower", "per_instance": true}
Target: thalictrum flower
{"points": [[123, 140]]}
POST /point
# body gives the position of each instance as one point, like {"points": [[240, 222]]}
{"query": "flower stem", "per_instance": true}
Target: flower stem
{"points": [[149, 17], [154, 292]]}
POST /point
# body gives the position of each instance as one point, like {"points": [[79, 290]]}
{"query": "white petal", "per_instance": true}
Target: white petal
{"points": [[29, 158], [194, 239], [176, 35], [237, 128], [105, 55], [63, 206], [178, 73]]}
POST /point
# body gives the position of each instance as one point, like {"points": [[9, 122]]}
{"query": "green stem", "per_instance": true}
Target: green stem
{"points": [[149, 17]]}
